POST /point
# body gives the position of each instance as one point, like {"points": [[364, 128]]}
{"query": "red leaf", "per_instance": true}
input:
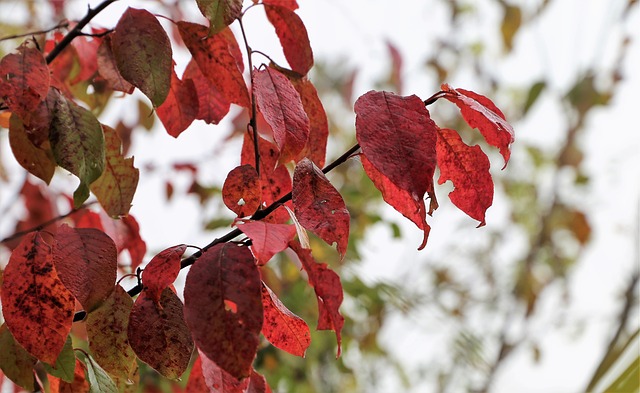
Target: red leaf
{"points": [[223, 307], [196, 383], [87, 49], [158, 334], [219, 381], [216, 60], [267, 239], [180, 108], [220, 13], [37, 308], [38, 161], [24, 80], [86, 261], [108, 68], [281, 107], [395, 76], [316, 147], [241, 191], [212, 106], [468, 168], [319, 206], [257, 384], [328, 288], [289, 4], [281, 327], [143, 53], [293, 37], [479, 112], [162, 271]]}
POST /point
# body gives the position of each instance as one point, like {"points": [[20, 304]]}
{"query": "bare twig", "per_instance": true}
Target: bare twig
{"points": [[252, 127], [60, 25]]}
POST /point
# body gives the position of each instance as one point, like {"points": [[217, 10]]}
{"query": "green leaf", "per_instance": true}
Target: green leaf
{"points": [[16, 363], [77, 142], [220, 13], [65, 364], [532, 96], [99, 380]]}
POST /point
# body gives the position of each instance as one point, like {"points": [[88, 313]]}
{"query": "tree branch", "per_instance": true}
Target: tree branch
{"points": [[60, 25]]}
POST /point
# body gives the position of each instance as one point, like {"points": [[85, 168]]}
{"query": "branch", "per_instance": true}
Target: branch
{"points": [[253, 122], [60, 25]]}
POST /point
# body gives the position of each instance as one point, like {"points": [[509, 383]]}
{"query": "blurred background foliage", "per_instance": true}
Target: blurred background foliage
{"points": [[476, 292]]}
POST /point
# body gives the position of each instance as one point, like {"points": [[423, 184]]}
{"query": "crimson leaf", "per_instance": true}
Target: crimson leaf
{"points": [[293, 37], [281, 327]]}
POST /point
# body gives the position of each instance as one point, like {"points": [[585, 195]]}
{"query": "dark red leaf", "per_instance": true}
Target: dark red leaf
{"points": [[281, 327], [158, 334], [319, 207], [87, 49], [316, 147], [282, 108], [24, 80], [326, 284], [293, 37], [479, 112], [162, 271], [108, 68], [218, 380], [257, 384], [220, 13], [468, 168], [36, 306], [212, 106], [241, 191], [217, 61], [267, 239], [143, 53], [180, 108], [223, 307], [289, 4], [86, 261], [395, 76]]}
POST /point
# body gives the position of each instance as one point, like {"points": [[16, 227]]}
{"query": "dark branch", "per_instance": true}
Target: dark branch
{"points": [[60, 25]]}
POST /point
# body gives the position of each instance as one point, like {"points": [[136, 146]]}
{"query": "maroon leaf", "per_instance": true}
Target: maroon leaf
{"points": [[328, 288], [289, 4], [143, 53], [281, 327], [223, 307], [162, 271], [479, 112], [316, 147], [281, 107], [293, 37], [180, 108], [267, 239], [257, 384], [241, 191], [218, 380], [24, 80], [86, 261], [217, 60], [158, 334], [212, 106], [108, 68], [468, 168], [319, 207]]}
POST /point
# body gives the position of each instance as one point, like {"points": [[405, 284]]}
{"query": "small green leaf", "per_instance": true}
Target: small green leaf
{"points": [[533, 95], [220, 13], [16, 363], [99, 380], [65, 364]]}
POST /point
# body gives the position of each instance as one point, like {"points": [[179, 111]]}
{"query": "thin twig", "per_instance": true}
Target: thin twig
{"points": [[60, 25], [253, 121]]}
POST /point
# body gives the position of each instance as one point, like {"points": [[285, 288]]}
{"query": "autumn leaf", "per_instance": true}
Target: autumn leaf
{"points": [[220, 13], [158, 334], [293, 37], [326, 284], [87, 50], [162, 270], [257, 384], [281, 327], [212, 106], [117, 185], [282, 108], [65, 363], [108, 67], [319, 207], [216, 60], [143, 53], [107, 332], [223, 307], [180, 108], [316, 147], [16, 363], [242, 191], [99, 380], [86, 261], [24, 80], [37, 308], [79, 384], [468, 168], [291, 5], [267, 239], [218, 380], [481, 113], [38, 161]]}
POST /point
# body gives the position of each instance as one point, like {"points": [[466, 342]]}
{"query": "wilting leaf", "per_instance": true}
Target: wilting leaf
{"points": [[143, 53], [215, 57], [158, 334], [180, 108], [316, 147], [218, 380], [37, 308], [220, 13], [319, 207], [117, 185], [223, 307], [281, 327], [479, 112], [108, 68], [162, 271], [78, 143], [86, 261], [267, 239], [99, 381], [282, 108], [107, 333], [38, 161], [212, 106], [468, 168], [24, 80], [16, 363], [241, 191], [65, 363], [328, 288], [293, 37]]}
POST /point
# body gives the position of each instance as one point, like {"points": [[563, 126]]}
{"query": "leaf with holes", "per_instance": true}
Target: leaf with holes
{"points": [[241, 191], [162, 270], [293, 37], [281, 327], [223, 307], [180, 108], [212, 106], [37, 308], [24, 80], [220, 13], [267, 239]]}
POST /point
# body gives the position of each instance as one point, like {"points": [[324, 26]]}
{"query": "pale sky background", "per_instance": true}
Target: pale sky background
{"points": [[570, 36]]}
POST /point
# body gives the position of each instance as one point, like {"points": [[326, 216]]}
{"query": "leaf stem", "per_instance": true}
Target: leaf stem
{"points": [[434, 98]]}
